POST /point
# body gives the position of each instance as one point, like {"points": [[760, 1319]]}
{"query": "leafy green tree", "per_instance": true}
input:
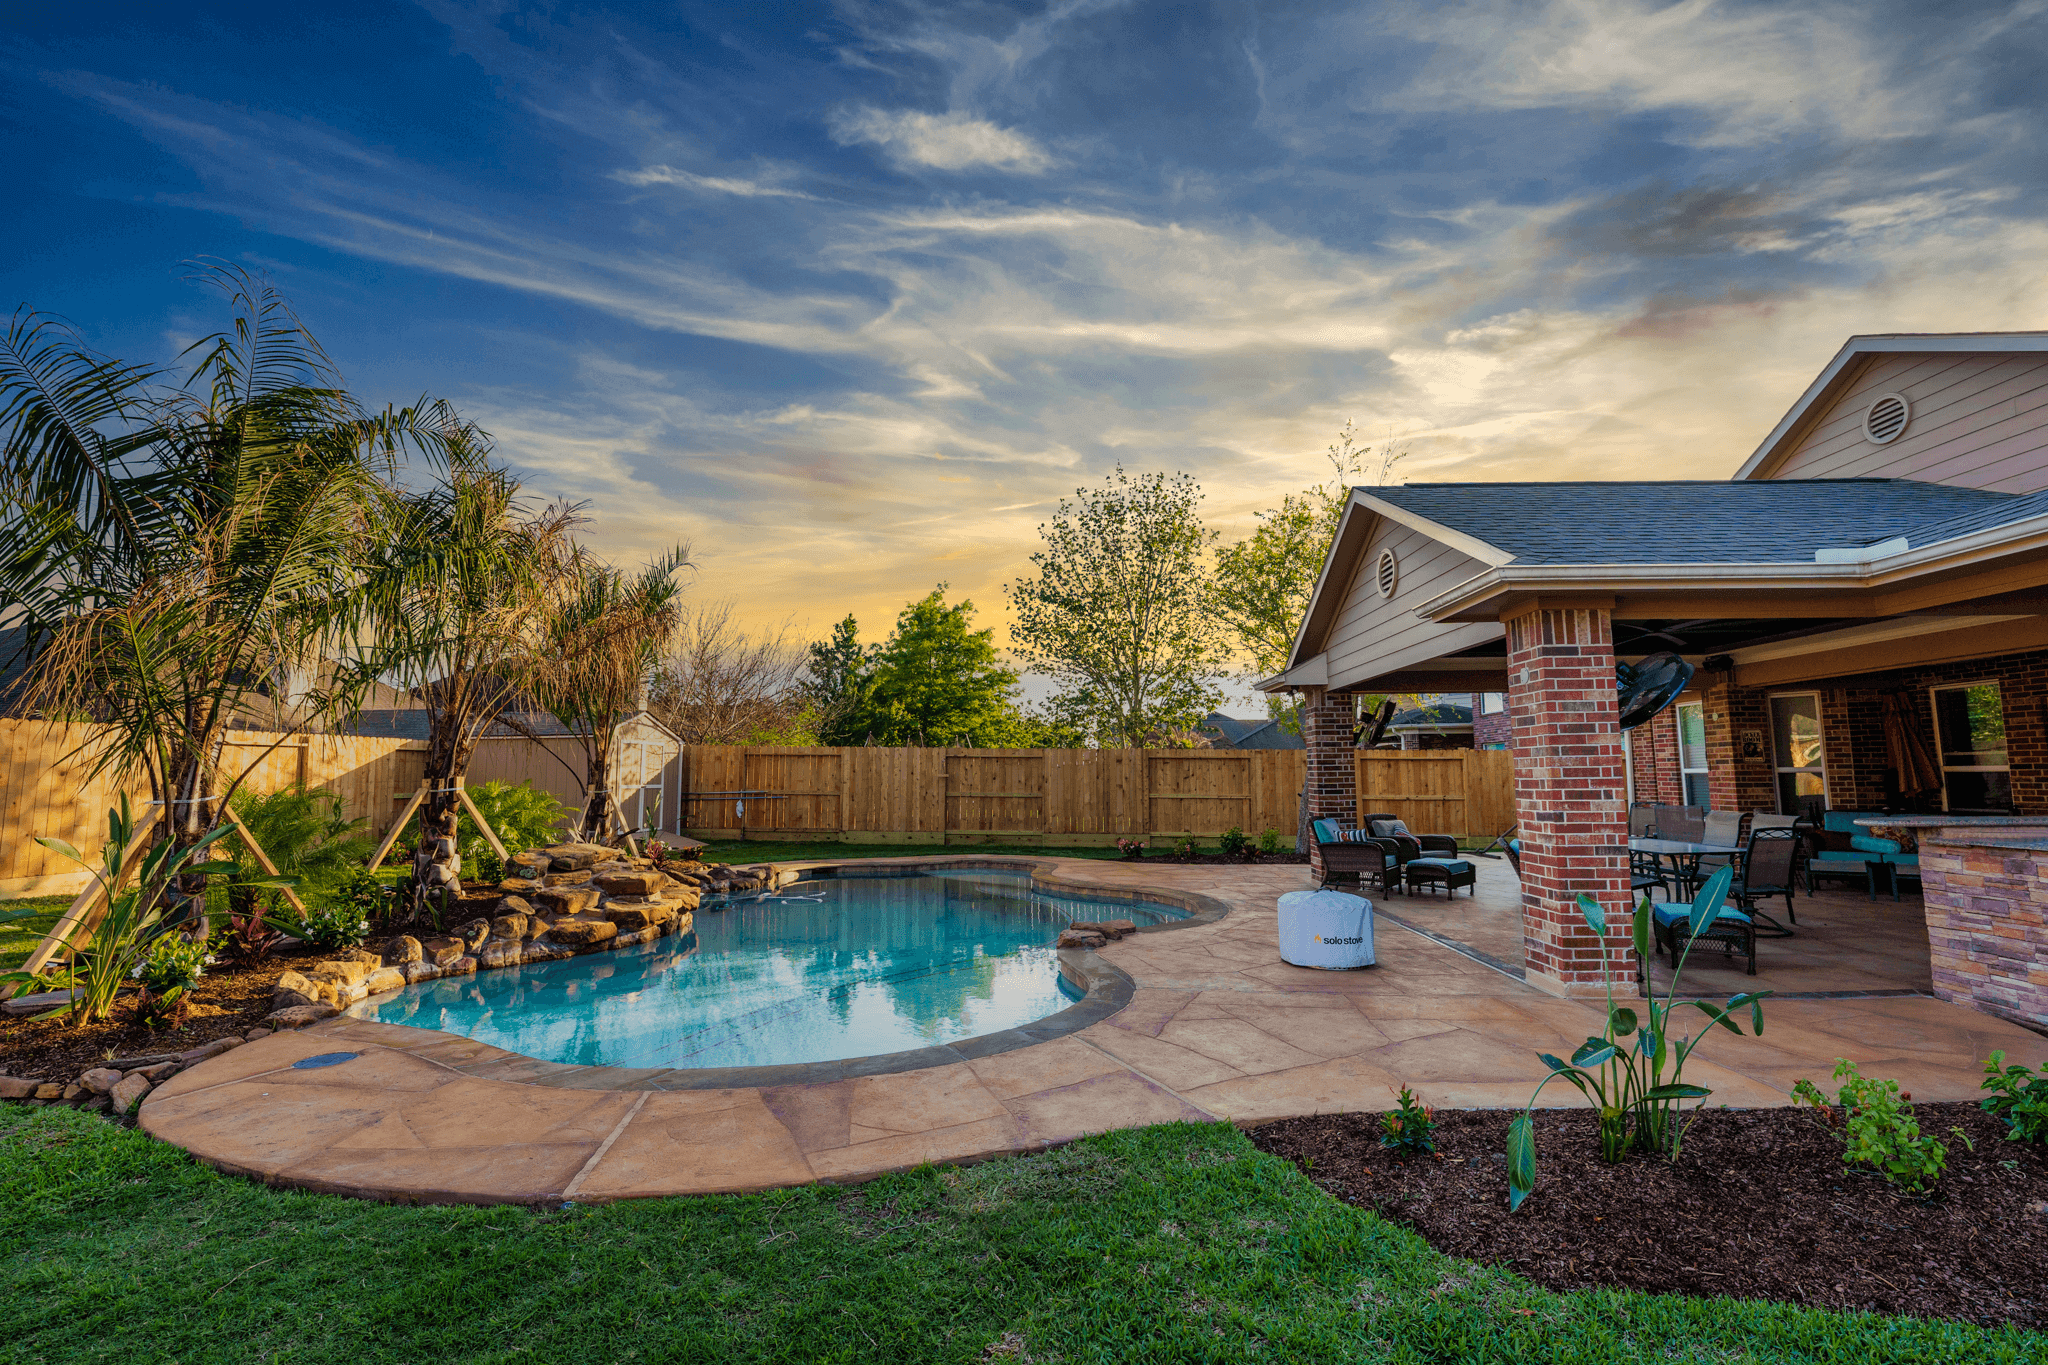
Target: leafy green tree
{"points": [[938, 681], [838, 679], [1121, 612]]}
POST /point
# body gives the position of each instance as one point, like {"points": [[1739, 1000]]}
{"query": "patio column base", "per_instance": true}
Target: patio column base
{"points": [[1570, 771], [1326, 725]]}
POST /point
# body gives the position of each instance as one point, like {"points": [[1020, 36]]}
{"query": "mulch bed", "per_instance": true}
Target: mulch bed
{"points": [[1758, 1206]]}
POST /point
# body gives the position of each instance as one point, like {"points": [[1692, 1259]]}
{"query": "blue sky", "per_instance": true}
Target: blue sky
{"points": [[849, 295]]}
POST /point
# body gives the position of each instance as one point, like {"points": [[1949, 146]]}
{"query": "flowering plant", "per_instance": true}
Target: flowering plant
{"points": [[1131, 848], [657, 852]]}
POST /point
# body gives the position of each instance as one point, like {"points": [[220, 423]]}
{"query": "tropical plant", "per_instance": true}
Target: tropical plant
{"points": [[1121, 610], [341, 923], [458, 591], [1634, 1072], [364, 896], [136, 915], [171, 969], [600, 639], [523, 816], [304, 833], [184, 557], [1409, 1129], [2019, 1096], [1879, 1129]]}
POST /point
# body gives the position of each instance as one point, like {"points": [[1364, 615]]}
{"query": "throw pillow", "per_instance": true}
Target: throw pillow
{"points": [[1387, 829]]}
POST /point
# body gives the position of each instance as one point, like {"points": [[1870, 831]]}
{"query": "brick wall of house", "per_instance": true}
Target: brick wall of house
{"points": [[1653, 755], [1569, 798], [1327, 722], [1987, 928]]}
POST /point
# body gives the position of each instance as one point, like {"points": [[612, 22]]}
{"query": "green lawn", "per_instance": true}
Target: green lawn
{"points": [[1179, 1243], [19, 938]]}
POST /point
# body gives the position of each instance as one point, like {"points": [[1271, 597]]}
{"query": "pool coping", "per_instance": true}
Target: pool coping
{"points": [[1105, 988]]}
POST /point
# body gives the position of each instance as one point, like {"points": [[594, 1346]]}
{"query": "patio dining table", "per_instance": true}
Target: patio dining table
{"points": [[1684, 857]]}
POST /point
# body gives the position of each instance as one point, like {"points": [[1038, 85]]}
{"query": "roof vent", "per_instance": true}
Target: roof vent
{"points": [[1886, 418], [1387, 574]]}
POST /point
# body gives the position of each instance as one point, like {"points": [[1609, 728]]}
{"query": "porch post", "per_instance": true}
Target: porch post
{"points": [[1569, 775], [1326, 724]]}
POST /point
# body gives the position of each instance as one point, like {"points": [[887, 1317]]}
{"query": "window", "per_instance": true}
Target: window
{"points": [[1692, 752], [1969, 727], [1796, 747], [1492, 703]]}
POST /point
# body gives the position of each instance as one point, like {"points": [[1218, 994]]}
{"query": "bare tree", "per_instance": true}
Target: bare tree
{"points": [[721, 685]]}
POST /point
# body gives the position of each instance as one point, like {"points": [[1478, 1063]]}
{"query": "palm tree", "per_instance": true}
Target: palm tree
{"points": [[184, 555], [604, 635], [457, 595]]}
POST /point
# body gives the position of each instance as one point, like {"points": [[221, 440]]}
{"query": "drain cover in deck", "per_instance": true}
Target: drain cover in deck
{"points": [[324, 1059]]}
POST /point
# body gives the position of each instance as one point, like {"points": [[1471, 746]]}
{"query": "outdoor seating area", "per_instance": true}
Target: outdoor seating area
{"points": [[1384, 852]]}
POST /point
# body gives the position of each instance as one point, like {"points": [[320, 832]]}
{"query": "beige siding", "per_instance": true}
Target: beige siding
{"points": [[1979, 421], [1374, 635]]}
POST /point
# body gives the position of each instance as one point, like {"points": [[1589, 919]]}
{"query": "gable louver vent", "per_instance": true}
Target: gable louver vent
{"points": [[1387, 574], [1886, 419]]}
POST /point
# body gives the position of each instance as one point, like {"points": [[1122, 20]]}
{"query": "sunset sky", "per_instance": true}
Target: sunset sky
{"points": [[848, 296]]}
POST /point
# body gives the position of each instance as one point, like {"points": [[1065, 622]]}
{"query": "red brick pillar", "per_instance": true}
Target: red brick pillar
{"points": [[1327, 723], [1569, 776]]}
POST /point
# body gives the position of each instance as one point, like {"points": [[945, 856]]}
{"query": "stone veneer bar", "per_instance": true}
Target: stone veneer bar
{"points": [[1987, 909]]}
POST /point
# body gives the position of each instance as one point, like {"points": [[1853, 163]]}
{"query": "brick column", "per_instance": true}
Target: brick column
{"points": [[1327, 723], [1569, 775]]}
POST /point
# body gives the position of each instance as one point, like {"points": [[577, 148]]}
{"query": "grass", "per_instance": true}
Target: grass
{"points": [[1177, 1243], [18, 939]]}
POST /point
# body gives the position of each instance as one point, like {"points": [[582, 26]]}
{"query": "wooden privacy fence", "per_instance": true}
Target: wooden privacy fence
{"points": [[44, 792], [1073, 796], [1466, 792]]}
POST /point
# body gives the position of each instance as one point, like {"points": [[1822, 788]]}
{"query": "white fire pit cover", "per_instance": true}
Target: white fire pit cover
{"points": [[1327, 929]]}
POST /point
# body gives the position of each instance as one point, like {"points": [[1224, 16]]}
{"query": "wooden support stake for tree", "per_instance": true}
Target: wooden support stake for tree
{"points": [[391, 835], [462, 795], [81, 914], [264, 859]]}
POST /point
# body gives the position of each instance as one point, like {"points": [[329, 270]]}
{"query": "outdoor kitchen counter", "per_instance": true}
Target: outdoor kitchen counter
{"points": [[1987, 909]]}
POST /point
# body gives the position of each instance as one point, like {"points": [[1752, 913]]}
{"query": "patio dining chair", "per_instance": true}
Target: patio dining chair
{"points": [[1720, 827], [1769, 869]]}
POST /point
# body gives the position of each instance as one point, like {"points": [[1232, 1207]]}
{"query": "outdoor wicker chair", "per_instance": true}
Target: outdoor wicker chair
{"points": [[1769, 869], [1730, 927], [1353, 855]]}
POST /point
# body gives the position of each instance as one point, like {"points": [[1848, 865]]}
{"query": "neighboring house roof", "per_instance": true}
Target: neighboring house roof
{"points": [[1441, 716], [1849, 362], [1240, 732], [1694, 522]]}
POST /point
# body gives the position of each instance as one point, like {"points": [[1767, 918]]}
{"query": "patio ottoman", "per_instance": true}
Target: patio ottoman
{"points": [[1331, 930], [1449, 873]]}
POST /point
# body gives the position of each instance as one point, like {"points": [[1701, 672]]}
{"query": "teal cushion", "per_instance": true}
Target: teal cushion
{"points": [[1452, 865], [1844, 821], [1837, 855], [1669, 913], [1871, 844], [1326, 831]]}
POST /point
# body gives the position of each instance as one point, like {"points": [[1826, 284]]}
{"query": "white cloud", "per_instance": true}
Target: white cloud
{"points": [[946, 142], [709, 184]]}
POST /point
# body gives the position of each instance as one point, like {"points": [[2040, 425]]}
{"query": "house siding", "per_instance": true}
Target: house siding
{"points": [[1978, 421], [1373, 635]]}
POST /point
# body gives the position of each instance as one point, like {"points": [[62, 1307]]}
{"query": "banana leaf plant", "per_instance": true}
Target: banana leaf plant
{"points": [[1634, 1072], [136, 910]]}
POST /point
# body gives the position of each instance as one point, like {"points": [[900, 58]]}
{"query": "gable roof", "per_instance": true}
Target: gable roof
{"points": [[1851, 360], [1697, 522]]}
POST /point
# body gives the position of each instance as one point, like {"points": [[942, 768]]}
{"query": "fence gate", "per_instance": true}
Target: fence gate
{"points": [[1466, 792]]}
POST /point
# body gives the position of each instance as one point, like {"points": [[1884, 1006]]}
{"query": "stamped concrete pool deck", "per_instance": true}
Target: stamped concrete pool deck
{"points": [[1215, 1027]]}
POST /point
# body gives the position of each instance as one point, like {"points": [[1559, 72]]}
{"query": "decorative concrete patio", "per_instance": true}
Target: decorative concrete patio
{"points": [[1216, 1027]]}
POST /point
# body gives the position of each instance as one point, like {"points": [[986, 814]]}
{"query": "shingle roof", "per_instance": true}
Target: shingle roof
{"points": [[1778, 521]]}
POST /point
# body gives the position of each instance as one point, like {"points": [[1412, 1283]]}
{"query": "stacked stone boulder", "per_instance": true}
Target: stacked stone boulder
{"points": [[557, 902]]}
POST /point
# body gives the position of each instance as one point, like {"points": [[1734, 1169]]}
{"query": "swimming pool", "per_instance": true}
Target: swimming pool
{"points": [[821, 970]]}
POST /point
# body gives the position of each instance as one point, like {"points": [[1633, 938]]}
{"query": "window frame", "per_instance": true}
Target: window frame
{"points": [[1705, 772], [1941, 754], [1779, 767]]}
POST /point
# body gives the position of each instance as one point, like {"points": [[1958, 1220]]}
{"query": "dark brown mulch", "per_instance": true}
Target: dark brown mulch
{"points": [[1758, 1206]]}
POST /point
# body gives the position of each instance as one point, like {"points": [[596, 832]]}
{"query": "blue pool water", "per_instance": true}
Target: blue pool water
{"points": [[818, 971]]}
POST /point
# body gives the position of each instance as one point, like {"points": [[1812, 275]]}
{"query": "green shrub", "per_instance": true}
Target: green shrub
{"points": [[523, 816], [1234, 842], [173, 966], [339, 924], [304, 835], [1269, 840], [1185, 847], [1879, 1129], [1410, 1129], [2019, 1096], [363, 895]]}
